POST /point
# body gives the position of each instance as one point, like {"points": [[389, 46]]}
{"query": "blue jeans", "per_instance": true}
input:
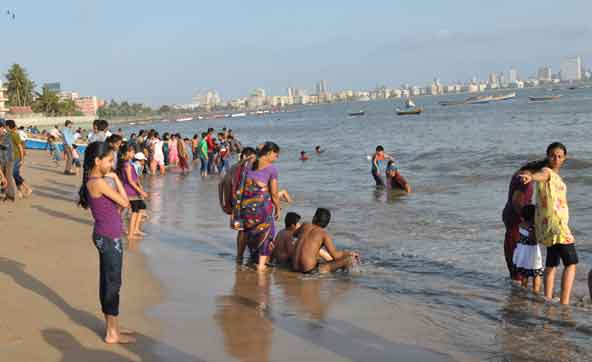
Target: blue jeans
{"points": [[204, 164], [16, 173], [210, 162], [110, 265]]}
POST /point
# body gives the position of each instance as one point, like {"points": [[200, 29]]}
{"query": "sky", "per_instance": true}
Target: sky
{"points": [[162, 52]]}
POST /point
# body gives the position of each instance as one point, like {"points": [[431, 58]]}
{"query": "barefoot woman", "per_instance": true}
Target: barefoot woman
{"points": [[103, 193]]}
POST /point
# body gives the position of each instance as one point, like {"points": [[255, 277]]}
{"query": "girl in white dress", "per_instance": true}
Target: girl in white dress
{"points": [[527, 260]]}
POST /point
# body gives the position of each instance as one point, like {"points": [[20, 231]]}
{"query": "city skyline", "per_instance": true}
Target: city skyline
{"points": [[161, 54]]}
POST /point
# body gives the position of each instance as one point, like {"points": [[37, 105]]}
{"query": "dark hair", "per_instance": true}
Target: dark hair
{"points": [[10, 123], [74, 146], [246, 152], [114, 138], [102, 125], [195, 136], [322, 217], [317, 147], [268, 147], [527, 213], [123, 150], [379, 148], [68, 122], [302, 152], [291, 218], [534, 166], [204, 134], [93, 151], [555, 145]]}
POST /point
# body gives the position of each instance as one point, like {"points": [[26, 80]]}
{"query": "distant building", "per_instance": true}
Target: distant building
{"points": [[67, 95], [87, 105], [544, 74], [322, 87], [493, 79], [571, 69], [208, 100], [3, 100], [55, 87], [513, 75]]}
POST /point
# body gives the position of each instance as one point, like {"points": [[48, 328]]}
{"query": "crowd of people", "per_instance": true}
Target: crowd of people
{"points": [[250, 195]]}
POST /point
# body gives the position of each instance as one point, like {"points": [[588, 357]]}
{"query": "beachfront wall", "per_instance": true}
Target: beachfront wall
{"points": [[36, 119]]}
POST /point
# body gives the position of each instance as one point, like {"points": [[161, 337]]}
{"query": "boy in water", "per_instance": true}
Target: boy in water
{"points": [[318, 150], [303, 156], [394, 179], [312, 238], [377, 164], [284, 240]]}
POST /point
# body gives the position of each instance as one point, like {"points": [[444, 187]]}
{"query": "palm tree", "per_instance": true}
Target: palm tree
{"points": [[20, 88], [47, 102]]}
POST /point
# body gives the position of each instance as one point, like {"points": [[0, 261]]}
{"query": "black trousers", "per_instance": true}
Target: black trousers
{"points": [[110, 265]]}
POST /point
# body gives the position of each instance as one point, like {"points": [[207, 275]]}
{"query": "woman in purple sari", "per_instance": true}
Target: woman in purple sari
{"points": [[259, 204]]}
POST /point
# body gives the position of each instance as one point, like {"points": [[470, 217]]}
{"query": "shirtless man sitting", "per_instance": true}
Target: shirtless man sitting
{"points": [[312, 238], [284, 240]]}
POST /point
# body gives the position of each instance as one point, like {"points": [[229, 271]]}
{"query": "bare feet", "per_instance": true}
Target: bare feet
{"points": [[120, 339]]}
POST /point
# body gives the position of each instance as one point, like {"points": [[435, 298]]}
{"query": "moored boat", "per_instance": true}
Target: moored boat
{"points": [[478, 99], [357, 114], [503, 97], [41, 144], [408, 112], [544, 98]]}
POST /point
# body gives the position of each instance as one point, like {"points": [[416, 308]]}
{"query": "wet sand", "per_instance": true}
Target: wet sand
{"points": [[217, 310], [214, 309], [49, 279]]}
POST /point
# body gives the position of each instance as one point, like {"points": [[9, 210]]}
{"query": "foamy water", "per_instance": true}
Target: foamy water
{"points": [[440, 247]]}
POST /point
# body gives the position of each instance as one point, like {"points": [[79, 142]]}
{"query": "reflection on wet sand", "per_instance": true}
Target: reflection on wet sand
{"points": [[244, 316], [311, 296]]}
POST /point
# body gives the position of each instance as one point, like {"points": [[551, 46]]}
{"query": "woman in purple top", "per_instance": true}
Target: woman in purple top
{"points": [[260, 204], [104, 200], [519, 195]]}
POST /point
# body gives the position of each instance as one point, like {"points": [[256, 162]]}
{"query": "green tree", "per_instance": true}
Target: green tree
{"points": [[20, 89], [47, 102], [68, 108], [164, 109]]}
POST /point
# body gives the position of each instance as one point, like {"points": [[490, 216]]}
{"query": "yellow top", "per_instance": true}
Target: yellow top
{"points": [[552, 212]]}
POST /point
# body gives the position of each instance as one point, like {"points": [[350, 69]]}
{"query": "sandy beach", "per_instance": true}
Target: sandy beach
{"points": [[49, 279]]}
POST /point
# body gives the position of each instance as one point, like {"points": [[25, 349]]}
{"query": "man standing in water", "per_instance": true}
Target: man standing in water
{"points": [[311, 239]]}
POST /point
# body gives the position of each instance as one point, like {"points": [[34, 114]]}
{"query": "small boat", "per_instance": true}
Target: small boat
{"points": [[41, 144], [503, 97], [409, 103], [451, 103], [184, 119], [479, 100], [408, 112], [544, 98], [357, 114]]}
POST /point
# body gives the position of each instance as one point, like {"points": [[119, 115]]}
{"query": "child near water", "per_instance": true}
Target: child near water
{"points": [[76, 159], [53, 150], [527, 260], [135, 193]]}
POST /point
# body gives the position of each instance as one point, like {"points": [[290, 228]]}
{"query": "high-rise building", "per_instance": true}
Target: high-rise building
{"points": [[3, 100], [291, 92], [493, 78], [209, 99], [571, 69], [544, 74], [513, 75], [55, 87], [322, 87]]}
